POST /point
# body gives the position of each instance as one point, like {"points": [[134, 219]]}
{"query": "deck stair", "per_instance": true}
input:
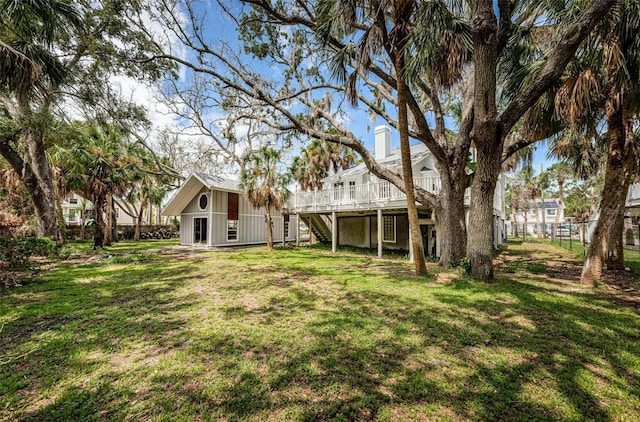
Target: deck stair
{"points": [[318, 226]]}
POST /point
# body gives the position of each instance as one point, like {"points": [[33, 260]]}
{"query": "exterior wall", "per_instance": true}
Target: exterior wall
{"points": [[188, 215], [362, 231], [251, 221], [357, 231]]}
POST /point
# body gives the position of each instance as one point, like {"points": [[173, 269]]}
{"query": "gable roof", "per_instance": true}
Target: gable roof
{"points": [[194, 184], [418, 153]]}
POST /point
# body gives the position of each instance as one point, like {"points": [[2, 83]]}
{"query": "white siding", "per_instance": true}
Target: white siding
{"points": [[251, 223]]}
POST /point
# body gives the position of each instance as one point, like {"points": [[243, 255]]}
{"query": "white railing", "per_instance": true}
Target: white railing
{"points": [[360, 196]]}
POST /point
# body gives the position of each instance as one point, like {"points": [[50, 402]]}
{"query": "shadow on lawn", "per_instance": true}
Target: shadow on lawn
{"points": [[363, 358], [69, 327], [350, 351]]}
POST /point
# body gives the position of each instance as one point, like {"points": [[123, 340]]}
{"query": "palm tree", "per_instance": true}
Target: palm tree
{"points": [[100, 163], [263, 185], [603, 86], [317, 159], [391, 29]]}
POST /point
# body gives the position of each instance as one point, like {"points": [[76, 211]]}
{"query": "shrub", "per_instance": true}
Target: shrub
{"points": [[17, 251]]}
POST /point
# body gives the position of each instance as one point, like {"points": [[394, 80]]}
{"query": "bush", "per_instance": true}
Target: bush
{"points": [[18, 251]]}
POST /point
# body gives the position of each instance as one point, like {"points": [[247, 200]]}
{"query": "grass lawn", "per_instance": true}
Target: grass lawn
{"points": [[152, 331]]}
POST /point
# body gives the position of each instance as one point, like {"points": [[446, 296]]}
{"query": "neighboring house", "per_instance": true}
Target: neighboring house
{"points": [[355, 208], [633, 196], [548, 210], [213, 212], [72, 209]]}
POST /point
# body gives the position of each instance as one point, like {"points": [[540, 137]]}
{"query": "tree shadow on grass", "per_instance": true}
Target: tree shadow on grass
{"points": [[75, 327], [342, 350]]}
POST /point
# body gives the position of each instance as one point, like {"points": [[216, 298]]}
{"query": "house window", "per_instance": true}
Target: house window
{"points": [[232, 230], [551, 212], [389, 229], [203, 201], [352, 190], [117, 212], [73, 200], [71, 217]]}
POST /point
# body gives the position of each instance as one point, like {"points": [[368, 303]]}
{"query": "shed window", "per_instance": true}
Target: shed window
{"points": [[203, 201], [389, 229], [232, 230]]}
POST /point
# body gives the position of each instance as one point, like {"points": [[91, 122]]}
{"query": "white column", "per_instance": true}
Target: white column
{"points": [[379, 233], [310, 230], [284, 232], [297, 229], [334, 232]]}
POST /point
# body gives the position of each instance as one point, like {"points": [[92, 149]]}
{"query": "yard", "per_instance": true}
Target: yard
{"points": [[154, 331]]}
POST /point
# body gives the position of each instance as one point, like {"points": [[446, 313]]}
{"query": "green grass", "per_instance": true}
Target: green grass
{"points": [[631, 256], [136, 332]]}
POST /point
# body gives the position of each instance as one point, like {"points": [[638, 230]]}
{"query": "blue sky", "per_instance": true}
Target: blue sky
{"points": [[220, 26]]}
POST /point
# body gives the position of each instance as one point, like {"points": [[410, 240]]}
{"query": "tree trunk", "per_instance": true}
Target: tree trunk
{"points": [[524, 225], [488, 141], [620, 161], [136, 235], [407, 170], [83, 222], [45, 205], [269, 227], [30, 181], [453, 228], [514, 213], [615, 246], [98, 208], [108, 231], [537, 211], [62, 226]]}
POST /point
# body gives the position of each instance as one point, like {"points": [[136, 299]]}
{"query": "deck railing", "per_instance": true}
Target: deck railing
{"points": [[359, 196]]}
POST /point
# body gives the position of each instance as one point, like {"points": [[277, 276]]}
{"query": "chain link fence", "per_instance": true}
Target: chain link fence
{"points": [[575, 236]]}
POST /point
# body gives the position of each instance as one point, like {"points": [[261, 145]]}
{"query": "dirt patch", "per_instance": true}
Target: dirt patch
{"points": [[549, 262]]}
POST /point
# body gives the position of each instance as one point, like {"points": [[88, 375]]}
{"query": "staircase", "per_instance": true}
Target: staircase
{"points": [[318, 227]]}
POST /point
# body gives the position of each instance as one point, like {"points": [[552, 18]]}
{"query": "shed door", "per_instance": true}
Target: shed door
{"points": [[199, 230]]}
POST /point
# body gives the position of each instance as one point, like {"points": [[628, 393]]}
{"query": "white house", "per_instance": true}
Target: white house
{"points": [[547, 212], [74, 205], [356, 208], [213, 212]]}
